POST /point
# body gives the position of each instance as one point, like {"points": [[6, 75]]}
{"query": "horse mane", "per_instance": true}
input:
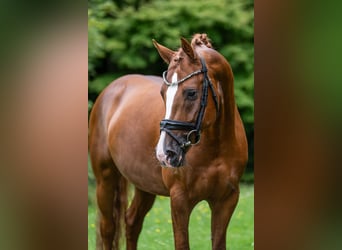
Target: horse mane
{"points": [[200, 40]]}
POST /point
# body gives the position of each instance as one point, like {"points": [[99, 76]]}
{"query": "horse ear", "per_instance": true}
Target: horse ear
{"points": [[187, 48], [165, 53]]}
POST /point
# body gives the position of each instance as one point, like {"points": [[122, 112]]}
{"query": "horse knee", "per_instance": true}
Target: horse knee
{"points": [[129, 221]]}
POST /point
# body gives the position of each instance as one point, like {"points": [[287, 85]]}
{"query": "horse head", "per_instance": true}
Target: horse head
{"points": [[188, 83]]}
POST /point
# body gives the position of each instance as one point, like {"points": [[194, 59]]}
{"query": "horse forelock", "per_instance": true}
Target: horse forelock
{"points": [[201, 40], [182, 64]]}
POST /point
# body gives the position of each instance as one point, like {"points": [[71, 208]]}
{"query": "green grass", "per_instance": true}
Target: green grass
{"points": [[157, 230]]}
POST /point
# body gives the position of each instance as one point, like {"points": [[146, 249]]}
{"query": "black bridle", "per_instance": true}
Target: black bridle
{"points": [[168, 125]]}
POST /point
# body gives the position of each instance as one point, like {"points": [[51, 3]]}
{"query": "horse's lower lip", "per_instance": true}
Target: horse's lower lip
{"points": [[170, 166], [177, 164], [168, 163]]}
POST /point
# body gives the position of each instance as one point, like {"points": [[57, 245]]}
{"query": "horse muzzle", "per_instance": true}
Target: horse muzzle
{"points": [[171, 159], [169, 155], [174, 158]]}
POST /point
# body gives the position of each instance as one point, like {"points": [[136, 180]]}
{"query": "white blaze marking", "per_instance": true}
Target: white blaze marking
{"points": [[170, 95]]}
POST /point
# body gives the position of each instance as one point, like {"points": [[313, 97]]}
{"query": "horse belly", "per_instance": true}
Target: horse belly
{"points": [[133, 135]]}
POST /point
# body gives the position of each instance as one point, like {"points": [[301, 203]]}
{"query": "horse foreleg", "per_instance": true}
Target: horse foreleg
{"points": [[221, 213], [180, 211], [141, 204]]}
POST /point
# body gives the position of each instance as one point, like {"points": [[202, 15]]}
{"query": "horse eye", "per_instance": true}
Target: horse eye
{"points": [[191, 94]]}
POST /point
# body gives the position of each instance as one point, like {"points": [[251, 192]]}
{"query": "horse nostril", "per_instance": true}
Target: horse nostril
{"points": [[173, 157], [171, 154]]}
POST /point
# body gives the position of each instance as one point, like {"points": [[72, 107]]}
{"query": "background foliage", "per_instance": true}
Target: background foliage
{"points": [[120, 34], [157, 228]]}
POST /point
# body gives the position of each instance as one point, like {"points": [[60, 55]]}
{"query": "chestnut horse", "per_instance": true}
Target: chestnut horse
{"points": [[179, 136]]}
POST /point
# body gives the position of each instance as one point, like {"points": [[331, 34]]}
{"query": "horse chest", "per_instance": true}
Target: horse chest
{"points": [[210, 183], [201, 184]]}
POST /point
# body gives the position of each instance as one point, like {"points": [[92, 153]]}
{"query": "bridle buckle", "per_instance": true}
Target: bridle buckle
{"points": [[197, 137]]}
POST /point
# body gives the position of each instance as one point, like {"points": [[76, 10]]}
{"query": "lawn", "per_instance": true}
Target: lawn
{"points": [[157, 230]]}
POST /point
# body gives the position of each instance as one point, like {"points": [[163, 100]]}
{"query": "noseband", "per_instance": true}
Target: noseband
{"points": [[168, 125]]}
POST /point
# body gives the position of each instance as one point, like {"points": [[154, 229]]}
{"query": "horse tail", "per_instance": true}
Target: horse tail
{"points": [[119, 209]]}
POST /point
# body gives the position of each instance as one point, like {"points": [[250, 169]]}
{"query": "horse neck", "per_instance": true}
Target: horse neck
{"points": [[223, 75], [220, 136], [226, 120]]}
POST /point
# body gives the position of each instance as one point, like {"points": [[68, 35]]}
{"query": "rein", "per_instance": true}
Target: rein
{"points": [[168, 125]]}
